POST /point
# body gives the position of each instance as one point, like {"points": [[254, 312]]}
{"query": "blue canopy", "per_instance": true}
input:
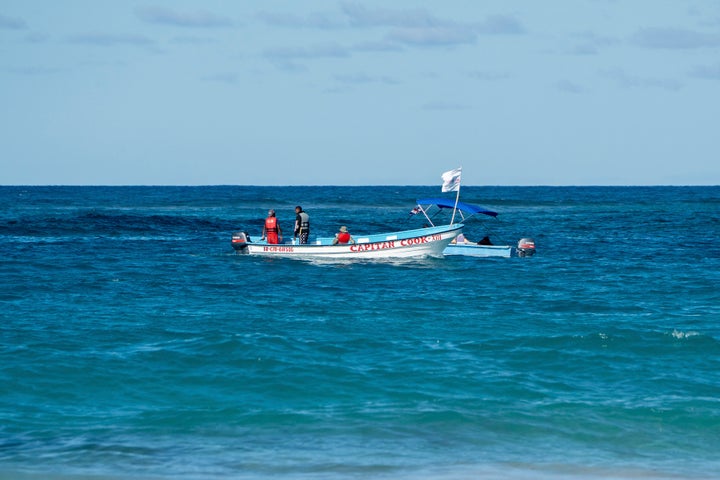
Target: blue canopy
{"points": [[462, 206]]}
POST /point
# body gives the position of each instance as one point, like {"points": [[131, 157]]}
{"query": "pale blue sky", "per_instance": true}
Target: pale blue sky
{"points": [[189, 92]]}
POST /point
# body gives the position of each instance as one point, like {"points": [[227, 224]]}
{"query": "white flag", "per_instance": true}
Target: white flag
{"points": [[451, 180]]}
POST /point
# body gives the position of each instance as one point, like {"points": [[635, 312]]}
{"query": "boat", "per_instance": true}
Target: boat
{"points": [[420, 242], [430, 207]]}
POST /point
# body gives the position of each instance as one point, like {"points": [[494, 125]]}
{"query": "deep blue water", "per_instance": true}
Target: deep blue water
{"points": [[134, 343]]}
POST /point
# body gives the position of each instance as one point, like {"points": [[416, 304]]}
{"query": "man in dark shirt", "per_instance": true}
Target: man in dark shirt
{"points": [[302, 225]]}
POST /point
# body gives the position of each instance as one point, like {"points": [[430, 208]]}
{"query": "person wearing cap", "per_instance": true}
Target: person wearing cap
{"points": [[271, 229], [343, 237], [302, 225]]}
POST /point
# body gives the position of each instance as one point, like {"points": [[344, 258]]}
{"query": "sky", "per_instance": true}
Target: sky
{"points": [[526, 92]]}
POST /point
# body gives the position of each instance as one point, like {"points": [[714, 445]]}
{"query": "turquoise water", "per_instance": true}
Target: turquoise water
{"points": [[134, 343]]}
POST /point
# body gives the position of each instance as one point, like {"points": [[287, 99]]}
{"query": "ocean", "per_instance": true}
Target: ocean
{"points": [[135, 343]]}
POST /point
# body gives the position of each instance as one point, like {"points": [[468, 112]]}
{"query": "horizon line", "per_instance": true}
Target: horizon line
{"points": [[353, 185]]}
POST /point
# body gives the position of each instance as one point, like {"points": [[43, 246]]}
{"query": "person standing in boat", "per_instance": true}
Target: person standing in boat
{"points": [[271, 229], [302, 225], [343, 237]]}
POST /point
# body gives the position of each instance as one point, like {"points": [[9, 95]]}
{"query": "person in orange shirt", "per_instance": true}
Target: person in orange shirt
{"points": [[271, 229]]}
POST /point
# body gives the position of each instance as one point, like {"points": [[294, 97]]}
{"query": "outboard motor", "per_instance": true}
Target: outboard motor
{"points": [[240, 241], [526, 247]]}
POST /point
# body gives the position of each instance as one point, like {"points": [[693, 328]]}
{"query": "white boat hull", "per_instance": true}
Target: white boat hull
{"points": [[409, 243], [475, 250]]}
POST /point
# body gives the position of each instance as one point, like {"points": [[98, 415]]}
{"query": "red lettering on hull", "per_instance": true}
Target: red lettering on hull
{"points": [[420, 240], [278, 249], [408, 242], [365, 247]]}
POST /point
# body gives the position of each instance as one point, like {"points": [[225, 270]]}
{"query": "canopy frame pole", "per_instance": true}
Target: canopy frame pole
{"points": [[422, 209]]}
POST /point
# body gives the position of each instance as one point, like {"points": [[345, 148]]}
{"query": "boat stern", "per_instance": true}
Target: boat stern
{"points": [[240, 242], [526, 247]]}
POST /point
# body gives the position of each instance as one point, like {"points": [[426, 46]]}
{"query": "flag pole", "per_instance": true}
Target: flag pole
{"points": [[457, 198]]}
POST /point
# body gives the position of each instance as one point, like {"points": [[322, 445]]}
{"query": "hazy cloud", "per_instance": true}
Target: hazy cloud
{"points": [[109, 40], [416, 27], [10, 23], [34, 71], [361, 16], [198, 19], [708, 72], [287, 58], [229, 78], [37, 37], [435, 36], [629, 81], [444, 106], [382, 46], [590, 43], [289, 66], [569, 87], [313, 20], [674, 38], [191, 40], [500, 25], [584, 49], [487, 76], [361, 78], [420, 28], [316, 51]]}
